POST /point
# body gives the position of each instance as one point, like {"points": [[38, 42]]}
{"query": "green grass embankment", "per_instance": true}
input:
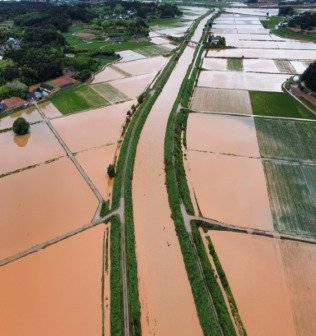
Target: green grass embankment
{"points": [[116, 297], [174, 184], [127, 154]]}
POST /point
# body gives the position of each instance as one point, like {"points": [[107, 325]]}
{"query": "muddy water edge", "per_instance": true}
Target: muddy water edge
{"points": [[167, 306]]}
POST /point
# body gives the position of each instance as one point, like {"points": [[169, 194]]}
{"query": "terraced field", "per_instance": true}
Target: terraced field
{"points": [[292, 197], [286, 139]]}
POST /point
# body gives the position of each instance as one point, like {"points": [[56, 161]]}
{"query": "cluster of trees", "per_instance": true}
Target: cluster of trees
{"points": [[285, 11], [14, 88], [305, 21], [309, 77], [143, 10], [39, 58], [125, 29], [32, 14]]}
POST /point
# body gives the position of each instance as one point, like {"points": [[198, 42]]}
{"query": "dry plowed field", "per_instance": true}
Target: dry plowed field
{"points": [[221, 100]]}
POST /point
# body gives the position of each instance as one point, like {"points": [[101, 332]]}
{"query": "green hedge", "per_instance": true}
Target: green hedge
{"points": [[116, 297]]}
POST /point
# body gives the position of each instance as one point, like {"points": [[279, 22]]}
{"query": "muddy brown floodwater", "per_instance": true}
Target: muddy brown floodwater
{"points": [[230, 189], [167, 304], [41, 203], [30, 114], [93, 128], [273, 282], [95, 162], [49, 109], [222, 134], [56, 291], [134, 86], [22, 151]]}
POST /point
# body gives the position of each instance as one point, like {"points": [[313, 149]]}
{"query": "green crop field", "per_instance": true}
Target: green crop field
{"points": [[277, 104], [77, 98], [235, 64], [286, 139], [109, 92], [292, 194], [153, 50]]}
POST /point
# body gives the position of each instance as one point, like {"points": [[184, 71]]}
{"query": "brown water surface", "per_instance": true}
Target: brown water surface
{"points": [[134, 86], [49, 109], [167, 304], [254, 269], [222, 134], [143, 66], [93, 128], [30, 114], [230, 189], [22, 151], [41, 203], [95, 163], [56, 291]]}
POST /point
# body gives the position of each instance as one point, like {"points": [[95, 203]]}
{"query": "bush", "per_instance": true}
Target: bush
{"points": [[21, 126], [111, 170], [83, 75], [309, 77]]}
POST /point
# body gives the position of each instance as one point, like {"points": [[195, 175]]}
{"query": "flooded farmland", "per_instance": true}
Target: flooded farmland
{"points": [[165, 294], [143, 66], [23, 151], [95, 162], [49, 110], [92, 128], [273, 282], [230, 189], [56, 291], [48, 206], [30, 114], [134, 86], [245, 80], [108, 74], [219, 133]]}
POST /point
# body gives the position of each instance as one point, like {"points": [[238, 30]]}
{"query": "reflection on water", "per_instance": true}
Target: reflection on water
{"points": [[22, 140]]}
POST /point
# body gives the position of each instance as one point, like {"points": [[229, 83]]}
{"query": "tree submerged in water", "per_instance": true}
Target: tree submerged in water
{"points": [[111, 170], [21, 126]]}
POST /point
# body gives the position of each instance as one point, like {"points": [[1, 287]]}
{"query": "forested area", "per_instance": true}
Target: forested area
{"points": [[34, 38]]}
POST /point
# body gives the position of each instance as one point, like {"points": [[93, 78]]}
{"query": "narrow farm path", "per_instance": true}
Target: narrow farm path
{"points": [[74, 161], [166, 299], [57, 239]]}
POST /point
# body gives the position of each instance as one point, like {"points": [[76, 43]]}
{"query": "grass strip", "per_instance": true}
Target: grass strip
{"points": [[226, 287], [204, 307], [127, 154], [178, 189], [214, 288], [116, 300]]}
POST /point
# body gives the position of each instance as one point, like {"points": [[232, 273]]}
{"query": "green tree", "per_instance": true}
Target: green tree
{"points": [[21, 126], [111, 170]]}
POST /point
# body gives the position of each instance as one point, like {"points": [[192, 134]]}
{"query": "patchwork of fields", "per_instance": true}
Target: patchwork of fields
{"points": [[250, 162]]}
